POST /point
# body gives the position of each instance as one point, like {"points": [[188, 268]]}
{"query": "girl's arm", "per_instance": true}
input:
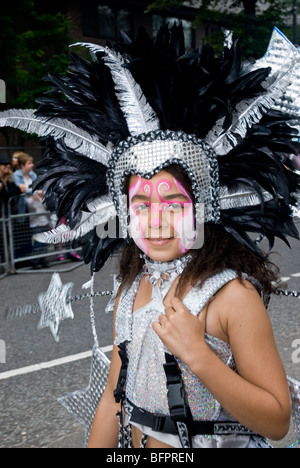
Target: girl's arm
{"points": [[105, 428], [257, 396]]}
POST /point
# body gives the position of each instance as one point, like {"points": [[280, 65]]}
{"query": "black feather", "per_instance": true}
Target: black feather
{"points": [[86, 97], [69, 182], [190, 91], [96, 251], [274, 220]]}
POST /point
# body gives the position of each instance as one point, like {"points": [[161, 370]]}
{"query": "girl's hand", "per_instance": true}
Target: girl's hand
{"points": [[181, 332]]}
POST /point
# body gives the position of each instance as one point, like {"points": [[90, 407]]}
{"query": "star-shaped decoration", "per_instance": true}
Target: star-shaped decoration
{"points": [[83, 404], [55, 305]]}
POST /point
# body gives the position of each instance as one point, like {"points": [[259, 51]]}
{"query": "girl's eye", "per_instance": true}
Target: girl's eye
{"points": [[141, 208], [175, 207]]}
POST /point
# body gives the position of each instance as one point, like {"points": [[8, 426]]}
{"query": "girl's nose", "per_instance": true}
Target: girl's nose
{"points": [[156, 215]]}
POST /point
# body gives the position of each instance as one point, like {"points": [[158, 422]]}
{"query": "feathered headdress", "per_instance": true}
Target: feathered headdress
{"points": [[142, 105]]}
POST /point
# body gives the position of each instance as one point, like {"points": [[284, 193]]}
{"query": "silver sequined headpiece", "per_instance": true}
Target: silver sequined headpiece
{"points": [[150, 153]]}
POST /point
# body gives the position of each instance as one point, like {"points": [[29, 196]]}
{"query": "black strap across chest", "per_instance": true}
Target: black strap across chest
{"points": [[180, 420]]}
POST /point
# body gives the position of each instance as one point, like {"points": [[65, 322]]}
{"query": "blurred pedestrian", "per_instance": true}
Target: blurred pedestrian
{"points": [[38, 224], [15, 160], [8, 188], [21, 227], [24, 175]]}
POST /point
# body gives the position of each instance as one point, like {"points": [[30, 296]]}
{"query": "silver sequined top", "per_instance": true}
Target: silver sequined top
{"points": [[146, 381]]}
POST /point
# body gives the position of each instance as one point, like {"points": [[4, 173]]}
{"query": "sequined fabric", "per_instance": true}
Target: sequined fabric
{"points": [[146, 382], [294, 387], [204, 407], [149, 153]]}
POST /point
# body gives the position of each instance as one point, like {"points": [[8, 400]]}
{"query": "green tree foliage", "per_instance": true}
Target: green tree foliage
{"points": [[250, 20], [33, 43]]}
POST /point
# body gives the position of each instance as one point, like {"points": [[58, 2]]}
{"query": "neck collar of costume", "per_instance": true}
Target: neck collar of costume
{"points": [[157, 273]]}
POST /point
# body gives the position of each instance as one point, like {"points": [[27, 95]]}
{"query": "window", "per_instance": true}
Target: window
{"points": [[158, 21], [104, 21]]}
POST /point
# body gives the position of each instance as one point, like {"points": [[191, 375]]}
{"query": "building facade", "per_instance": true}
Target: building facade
{"points": [[98, 21]]}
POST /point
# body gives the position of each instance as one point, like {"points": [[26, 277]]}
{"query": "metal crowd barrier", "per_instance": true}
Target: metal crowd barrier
{"points": [[22, 253], [4, 258]]}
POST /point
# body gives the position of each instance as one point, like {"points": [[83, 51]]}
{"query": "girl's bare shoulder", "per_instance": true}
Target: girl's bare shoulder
{"points": [[238, 305]]}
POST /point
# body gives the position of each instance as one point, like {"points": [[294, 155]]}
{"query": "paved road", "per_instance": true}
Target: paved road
{"points": [[30, 415]]}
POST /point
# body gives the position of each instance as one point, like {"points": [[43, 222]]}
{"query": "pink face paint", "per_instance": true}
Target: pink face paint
{"points": [[137, 227], [147, 188], [185, 223], [160, 214], [163, 185], [155, 215]]}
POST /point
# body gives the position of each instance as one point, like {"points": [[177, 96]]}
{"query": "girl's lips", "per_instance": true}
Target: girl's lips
{"points": [[159, 242]]}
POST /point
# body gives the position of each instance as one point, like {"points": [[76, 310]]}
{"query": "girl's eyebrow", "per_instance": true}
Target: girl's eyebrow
{"points": [[140, 198], [174, 196]]}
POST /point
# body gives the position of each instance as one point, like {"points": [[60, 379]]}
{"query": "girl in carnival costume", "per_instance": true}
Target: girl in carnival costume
{"points": [[187, 151]]}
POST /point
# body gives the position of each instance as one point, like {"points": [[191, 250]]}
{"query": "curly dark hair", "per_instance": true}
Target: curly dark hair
{"points": [[220, 251]]}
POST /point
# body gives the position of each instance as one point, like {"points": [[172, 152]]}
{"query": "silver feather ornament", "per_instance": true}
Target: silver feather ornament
{"points": [[74, 138], [284, 59], [249, 112], [279, 52], [243, 197], [100, 212], [139, 115]]}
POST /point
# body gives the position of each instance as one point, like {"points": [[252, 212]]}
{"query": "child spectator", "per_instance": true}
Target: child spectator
{"points": [[31, 203]]}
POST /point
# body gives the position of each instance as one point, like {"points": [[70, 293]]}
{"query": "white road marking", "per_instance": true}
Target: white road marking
{"points": [[49, 364], [76, 357], [287, 278]]}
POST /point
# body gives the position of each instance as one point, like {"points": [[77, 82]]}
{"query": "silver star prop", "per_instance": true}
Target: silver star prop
{"points": [[294, 387], [55, 305], [83, 404]]}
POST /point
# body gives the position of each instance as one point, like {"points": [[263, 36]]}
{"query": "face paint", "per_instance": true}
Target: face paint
{"points": [[163, 185], [167, 219], [136, 227], [185, 224]]}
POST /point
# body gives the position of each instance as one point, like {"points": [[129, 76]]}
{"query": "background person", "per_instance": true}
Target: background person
{"points": [[15, 160], [8, 188], [21, 227]]}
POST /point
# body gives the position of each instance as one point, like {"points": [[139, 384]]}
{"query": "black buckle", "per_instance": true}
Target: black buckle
{"points": [[158, 422], [177, 405]]}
